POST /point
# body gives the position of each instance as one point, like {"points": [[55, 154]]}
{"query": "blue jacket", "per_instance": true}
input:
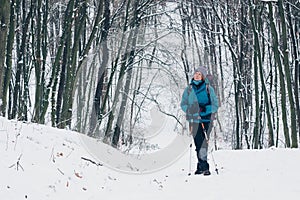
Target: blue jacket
{"points": [[198, 103]]}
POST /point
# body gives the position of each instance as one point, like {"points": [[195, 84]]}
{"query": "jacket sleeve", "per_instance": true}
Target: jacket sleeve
{"points": [[214, 100], [184, 100]]}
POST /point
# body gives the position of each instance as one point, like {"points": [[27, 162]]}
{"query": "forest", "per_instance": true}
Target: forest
{"points": [[98, 66]]}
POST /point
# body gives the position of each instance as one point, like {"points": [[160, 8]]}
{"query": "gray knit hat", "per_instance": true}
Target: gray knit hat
{"points": [[201, 69]]}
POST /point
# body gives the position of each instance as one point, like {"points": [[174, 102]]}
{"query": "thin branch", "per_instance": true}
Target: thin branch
{"points": [[91, 161], [17, 164]]}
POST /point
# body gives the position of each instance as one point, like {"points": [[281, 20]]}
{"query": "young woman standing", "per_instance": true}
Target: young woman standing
{"points": [[200, 104]]}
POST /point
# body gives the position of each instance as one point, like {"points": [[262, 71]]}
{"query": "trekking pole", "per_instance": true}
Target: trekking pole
{"points": [[190, 162], [212, 155]]}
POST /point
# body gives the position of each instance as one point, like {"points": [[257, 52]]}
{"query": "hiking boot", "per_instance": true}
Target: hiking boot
{"points": [[199, 171], [206, 173]]}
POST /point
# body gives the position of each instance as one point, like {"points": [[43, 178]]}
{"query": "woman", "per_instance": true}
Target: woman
{"points": [[200, 104]]}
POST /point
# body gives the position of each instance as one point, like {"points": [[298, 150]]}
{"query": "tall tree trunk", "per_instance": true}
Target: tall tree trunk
{"points": [[4, 24], [259, 70], [275, 41], [286, 65], [68, 97], [245, 65], [120, 83], [21, 64], [52, 85], [184, 31], [96, 110], [6, 74], [108, 131], [40, 57], [236, 71], [293, 24], [128, 66]]}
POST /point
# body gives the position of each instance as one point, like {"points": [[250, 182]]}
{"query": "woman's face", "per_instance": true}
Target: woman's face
{"points": [[198, 76]]}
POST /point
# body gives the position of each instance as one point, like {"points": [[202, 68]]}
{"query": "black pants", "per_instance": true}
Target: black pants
{"points": [[201, 143]]}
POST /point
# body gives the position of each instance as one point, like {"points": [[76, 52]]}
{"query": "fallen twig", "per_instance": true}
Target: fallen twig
{"points": [[89, 160], [61, 171], [17, 164]]}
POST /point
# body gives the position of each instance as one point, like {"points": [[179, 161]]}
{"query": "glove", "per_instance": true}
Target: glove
{"points": [[202, 108]]}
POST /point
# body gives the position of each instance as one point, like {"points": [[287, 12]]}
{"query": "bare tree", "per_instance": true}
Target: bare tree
{"points": [[88, 61], [4, 22]]}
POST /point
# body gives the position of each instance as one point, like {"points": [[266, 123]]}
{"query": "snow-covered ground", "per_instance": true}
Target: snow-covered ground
{"points": [[39, 162]]}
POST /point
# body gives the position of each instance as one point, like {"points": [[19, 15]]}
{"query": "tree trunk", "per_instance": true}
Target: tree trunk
{"points": [[4, 24], [275, 41], [6, 74], [259, 70], [96, 110], [129, 63], [286, 65], [293, 24], [21, 65], [40, 59]]}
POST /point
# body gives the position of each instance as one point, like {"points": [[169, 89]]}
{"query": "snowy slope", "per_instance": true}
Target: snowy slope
{"points": [[39, 162]]}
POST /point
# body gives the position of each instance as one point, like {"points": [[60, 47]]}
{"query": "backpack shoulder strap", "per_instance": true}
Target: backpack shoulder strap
{"points": [[190, 89], [208, 90]]}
